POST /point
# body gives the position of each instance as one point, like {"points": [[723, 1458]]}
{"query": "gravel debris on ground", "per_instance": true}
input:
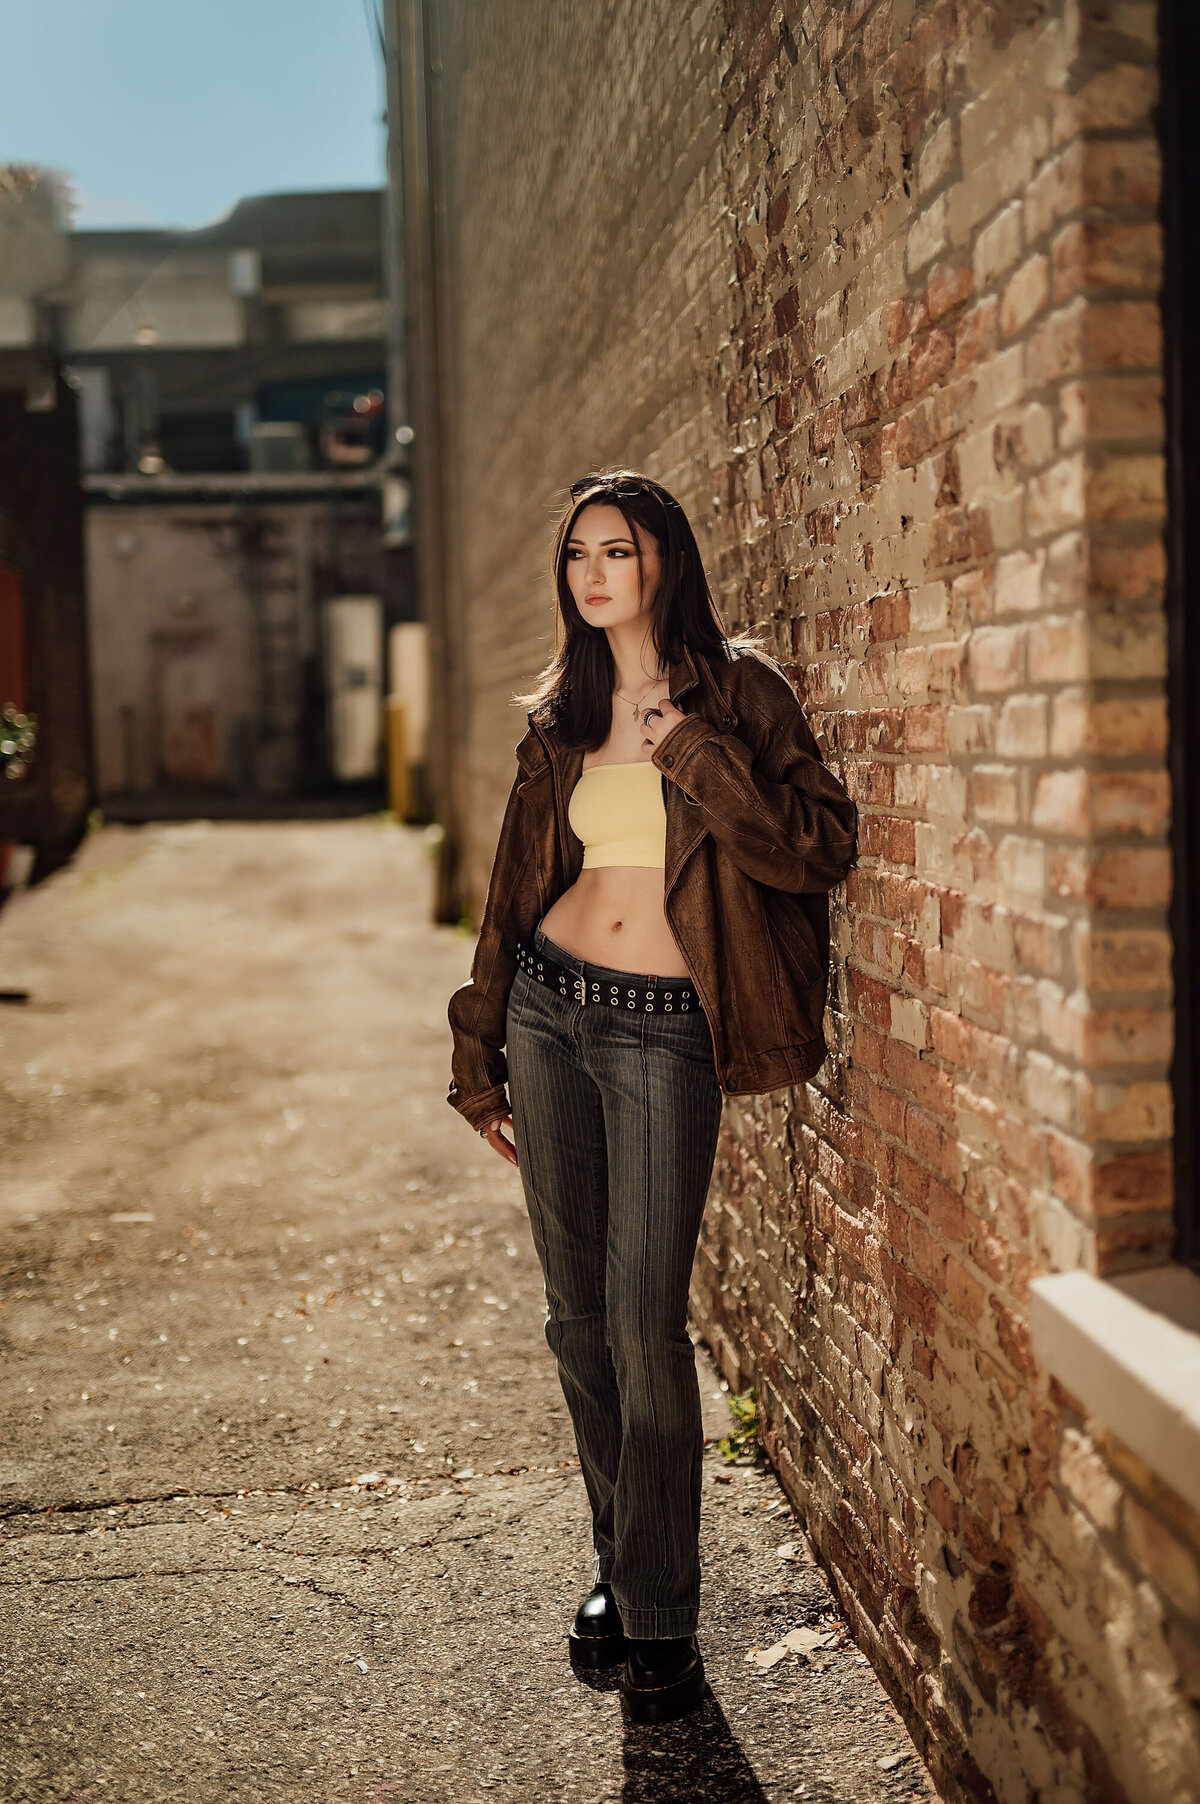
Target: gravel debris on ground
{"points": [[288, 1494]]}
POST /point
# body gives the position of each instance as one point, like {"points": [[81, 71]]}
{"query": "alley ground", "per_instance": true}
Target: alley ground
{"points": [[290, 1507]]}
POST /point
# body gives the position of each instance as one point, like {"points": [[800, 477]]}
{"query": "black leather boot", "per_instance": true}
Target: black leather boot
{"points": [[663, 1679], [597, 1637]]}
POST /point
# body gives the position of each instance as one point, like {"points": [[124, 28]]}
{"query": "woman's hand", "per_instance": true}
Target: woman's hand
{"points": [[663, 715], [496, 1140]]}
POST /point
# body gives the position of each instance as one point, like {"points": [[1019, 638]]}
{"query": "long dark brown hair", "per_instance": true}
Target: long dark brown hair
{"points": [[573, 694]]}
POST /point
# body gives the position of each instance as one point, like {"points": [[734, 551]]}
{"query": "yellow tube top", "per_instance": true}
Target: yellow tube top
{"points": [[617, 811]]}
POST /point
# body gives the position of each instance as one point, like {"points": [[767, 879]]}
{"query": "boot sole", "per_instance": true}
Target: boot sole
{"points": [[596, 1650], [666, 1702]]}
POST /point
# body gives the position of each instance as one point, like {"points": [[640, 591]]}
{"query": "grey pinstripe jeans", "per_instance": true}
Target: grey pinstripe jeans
{"points": [[615, 1119]]}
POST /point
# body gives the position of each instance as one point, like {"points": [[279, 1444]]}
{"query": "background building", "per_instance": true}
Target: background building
{"points": [[185, 345], [232, 400], [877, 290], [43, 628]]}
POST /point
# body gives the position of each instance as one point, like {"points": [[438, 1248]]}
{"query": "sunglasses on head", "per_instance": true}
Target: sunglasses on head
{"points": [[619, 485], [625, 486]]}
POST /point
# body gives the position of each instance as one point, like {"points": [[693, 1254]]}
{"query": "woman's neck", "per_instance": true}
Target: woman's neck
{"points": [[635, 661]]}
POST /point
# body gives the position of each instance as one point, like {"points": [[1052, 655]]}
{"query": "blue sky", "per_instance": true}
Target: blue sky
{"points": [[164, 112]]}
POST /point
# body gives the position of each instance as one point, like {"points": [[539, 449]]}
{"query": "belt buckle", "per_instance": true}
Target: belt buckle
{"points": [[581, 988]]}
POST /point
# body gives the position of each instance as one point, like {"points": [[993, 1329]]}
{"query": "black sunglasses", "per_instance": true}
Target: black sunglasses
{"points": [[625, 486], [618, 485]]}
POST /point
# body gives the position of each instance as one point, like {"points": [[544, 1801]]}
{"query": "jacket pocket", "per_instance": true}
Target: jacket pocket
{"points": [[793, 936]]}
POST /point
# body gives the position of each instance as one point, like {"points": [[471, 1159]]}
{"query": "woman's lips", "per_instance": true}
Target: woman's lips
{"points": [[593, 599]]}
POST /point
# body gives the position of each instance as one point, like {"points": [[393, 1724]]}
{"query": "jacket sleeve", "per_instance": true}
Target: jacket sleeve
{"points": [[478, 1008], [763, 793]]}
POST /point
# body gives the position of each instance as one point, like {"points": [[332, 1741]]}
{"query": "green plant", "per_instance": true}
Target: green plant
{"points": [[18, 736], [743, 1441]]}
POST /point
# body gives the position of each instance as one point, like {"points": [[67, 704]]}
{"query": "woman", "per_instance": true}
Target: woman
{"points": [[655, 935]]}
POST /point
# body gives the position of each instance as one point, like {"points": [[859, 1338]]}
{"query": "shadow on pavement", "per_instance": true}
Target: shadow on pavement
{"points": [[695, 1758]]}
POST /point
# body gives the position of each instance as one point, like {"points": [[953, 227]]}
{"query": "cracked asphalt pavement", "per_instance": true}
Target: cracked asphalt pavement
{"points": [[289, 1507]]}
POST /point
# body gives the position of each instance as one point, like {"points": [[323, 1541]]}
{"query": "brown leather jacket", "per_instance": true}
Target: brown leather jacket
{"points": [[758, 832]]}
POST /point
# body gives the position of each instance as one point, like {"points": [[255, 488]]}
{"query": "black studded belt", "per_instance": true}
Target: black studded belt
{"points": [[595, 984]]}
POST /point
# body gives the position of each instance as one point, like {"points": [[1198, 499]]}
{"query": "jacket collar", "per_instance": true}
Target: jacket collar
{"points": [[682, 676]]}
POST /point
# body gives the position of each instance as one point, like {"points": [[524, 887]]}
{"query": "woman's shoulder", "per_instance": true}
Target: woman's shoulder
{"points": [[531, 757], [751, 675]]}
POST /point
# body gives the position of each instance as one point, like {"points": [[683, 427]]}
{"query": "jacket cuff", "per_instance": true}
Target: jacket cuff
{"points": [[480, 1110], [676, 748]]}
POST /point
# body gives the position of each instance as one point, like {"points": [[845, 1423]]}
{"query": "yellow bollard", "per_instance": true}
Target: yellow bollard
{"points": [[399, 777]]}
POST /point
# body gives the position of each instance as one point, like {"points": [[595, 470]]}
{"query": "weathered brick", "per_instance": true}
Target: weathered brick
{"points": [[1080, 803], [998, 245], [1122, 335], [1161, 1555], [1061, 804], [1106, 254], [1055, 192], [995, 794], [995, 658], [976, 333], [1114, 877], [1058, 650], [1133, 726], [1131, 487], [1095, 408], [1117, 99], [1027, 292], [1129, 801], [1116, 959], [1129, 1111], [950, 286], [1058, 497], [1121, 173], [1090, 1480], [890, 328], [1021, 727]]}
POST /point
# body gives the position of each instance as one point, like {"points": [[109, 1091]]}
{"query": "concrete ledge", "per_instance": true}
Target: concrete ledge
{"points": [[1129, 1349]]}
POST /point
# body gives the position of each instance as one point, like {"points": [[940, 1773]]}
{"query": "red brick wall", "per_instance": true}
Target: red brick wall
{"points": [[873, 287]]}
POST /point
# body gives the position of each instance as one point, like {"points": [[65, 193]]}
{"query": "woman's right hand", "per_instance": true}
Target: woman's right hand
{"points": [[496, 1140]]}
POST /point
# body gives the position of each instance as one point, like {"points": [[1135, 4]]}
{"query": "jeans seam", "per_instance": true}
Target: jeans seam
{"points": [[646, 1139], [522, 999], [602, 1232]]}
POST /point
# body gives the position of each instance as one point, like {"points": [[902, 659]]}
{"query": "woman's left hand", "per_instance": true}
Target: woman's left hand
{"points": [[659, 724]]}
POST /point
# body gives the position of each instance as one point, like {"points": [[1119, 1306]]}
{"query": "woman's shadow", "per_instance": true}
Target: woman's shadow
{"points": [[693, 1760]]}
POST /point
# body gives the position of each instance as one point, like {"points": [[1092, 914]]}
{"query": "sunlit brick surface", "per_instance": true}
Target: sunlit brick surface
{"points": [[874, 288]]}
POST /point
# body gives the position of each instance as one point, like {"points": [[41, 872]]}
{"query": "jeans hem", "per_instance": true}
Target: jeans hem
{"points": [[658, 1625]]}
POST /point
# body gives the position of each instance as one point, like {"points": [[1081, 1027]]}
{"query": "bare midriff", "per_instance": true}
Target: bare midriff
{"points": [[614, 916]]}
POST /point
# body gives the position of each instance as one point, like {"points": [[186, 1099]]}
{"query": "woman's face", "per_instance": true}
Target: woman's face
{"points": [[602, 566]]}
